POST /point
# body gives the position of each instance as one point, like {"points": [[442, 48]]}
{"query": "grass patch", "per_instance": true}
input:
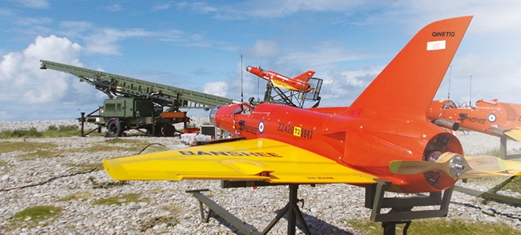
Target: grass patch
{"points": [[37, 213], [168, 221], [35, 150], [6, 147], [493, 152], [156, 190], [127, 198], [165, 221], [514, 185], [39, 154], [76, 196], [438, 226], [31, 150], [62, 131], [96, 184], [51, 131], [174, 208], [31, 133], [4, 164]]}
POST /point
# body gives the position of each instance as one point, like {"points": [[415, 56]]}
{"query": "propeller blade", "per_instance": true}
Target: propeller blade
{"points": [[485, 163], [491, 166], [457, 166], [452, 164]]}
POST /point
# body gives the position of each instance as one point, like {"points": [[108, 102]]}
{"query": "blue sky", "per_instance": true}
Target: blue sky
{"points": [[198, 45]]}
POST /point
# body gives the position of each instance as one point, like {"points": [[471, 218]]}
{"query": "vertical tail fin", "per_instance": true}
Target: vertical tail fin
{"points": [[305, 77], [406, 87]]}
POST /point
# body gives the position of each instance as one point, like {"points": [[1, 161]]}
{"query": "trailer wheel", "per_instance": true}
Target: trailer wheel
{"points": [[168, 130], [114, 128]]}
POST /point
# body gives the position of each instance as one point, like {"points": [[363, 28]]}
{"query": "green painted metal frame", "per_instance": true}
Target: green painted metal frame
{"points": [[492, 193], [183, 98]]}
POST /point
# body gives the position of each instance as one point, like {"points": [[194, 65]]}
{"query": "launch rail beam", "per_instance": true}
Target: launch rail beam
{"points": [[116, 85]]}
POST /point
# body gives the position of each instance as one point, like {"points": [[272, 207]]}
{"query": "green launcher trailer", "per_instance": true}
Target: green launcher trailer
{"points": [[137, 104]]}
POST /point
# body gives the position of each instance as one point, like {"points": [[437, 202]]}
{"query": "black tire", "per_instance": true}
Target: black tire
{"points": [[167, 130], [114, 128]]}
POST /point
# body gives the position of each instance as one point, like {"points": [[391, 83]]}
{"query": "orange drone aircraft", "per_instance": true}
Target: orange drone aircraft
{"points": [[299, 83], [384, 136], [489, 117]]}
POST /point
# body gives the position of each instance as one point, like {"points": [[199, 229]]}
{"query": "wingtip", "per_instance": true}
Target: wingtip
{"points": [[110, 169]]}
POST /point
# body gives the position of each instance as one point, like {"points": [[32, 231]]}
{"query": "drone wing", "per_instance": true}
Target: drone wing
{"points": [[259, 159], [514, 133]]}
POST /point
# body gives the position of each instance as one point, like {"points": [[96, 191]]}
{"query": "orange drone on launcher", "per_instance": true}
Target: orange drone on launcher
{"points": [[383, 141], [489, 117], [384, 134], [299, 83]]}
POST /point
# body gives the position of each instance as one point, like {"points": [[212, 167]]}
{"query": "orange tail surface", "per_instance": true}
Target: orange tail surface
{"points": [[305, 77], [406, 87]]}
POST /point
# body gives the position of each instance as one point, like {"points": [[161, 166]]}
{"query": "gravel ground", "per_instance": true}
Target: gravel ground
{"points": [[168, 209]]}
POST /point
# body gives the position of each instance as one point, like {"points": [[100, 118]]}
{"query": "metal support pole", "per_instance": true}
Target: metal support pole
{"points": [[293, 212], [503, 146], [82, 123], [213, 207], [390, 227], [490, 195]]}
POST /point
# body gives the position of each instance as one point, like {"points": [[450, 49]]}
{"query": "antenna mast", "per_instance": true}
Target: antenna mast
{"points": [[242, 95], [470, 92], [450, 76]]}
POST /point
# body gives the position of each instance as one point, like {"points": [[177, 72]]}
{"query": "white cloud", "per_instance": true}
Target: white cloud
{"points": [[264, 49], [114, 7], [200, 7], [82, 25], [33, 3], [30, 21], [104, 41], [20, 70], [76, 29], [341, 88], [215, 88], [324, 56], [163, 6], [6, 12], [32, 93], [278, 9]]}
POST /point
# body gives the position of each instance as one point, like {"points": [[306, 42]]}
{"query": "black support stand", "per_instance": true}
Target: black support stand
{"points": [[401, 207], [293, 212], [291, 209]]}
